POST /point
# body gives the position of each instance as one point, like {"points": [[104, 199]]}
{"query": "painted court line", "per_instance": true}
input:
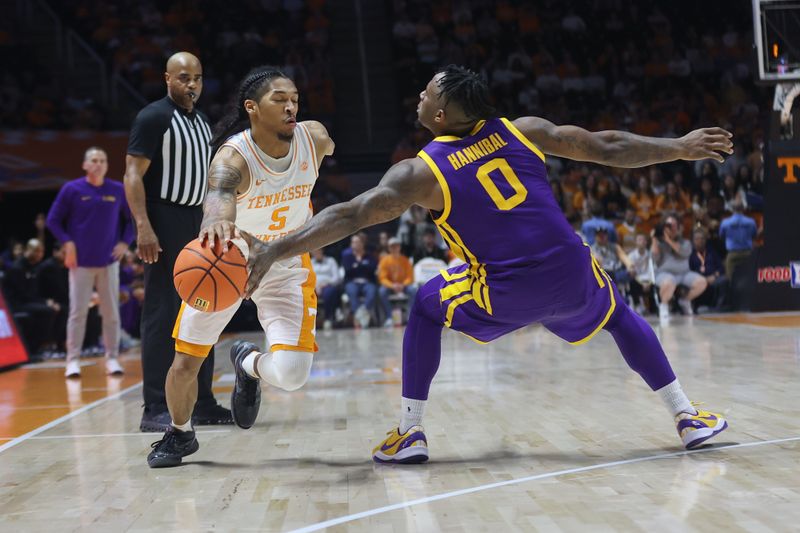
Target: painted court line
{"points": [[489, 486], [12, 408], [103, 435], [68, 416]]}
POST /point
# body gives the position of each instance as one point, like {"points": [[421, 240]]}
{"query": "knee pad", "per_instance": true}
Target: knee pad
{"points": [[292, 368]]}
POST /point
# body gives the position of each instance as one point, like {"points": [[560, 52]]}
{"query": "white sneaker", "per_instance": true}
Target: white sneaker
{"points": [[663, 312], [113, 368], [389, 323], [73, 369], [327, 325], [686, 306]]}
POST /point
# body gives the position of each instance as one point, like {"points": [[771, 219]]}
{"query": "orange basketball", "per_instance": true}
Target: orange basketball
{"points": [[207, 279]]}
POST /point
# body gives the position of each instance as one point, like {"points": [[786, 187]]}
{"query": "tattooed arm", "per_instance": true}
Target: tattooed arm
{"points": [[227, 176], [406, 183], [623, 149]]}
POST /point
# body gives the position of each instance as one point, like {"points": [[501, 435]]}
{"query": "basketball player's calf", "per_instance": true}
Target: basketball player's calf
{"points": [[644, 354], [181, 388], [285, 369]]}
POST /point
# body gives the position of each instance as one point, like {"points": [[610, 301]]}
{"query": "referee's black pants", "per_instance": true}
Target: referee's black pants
{"points": [[174, 225]]}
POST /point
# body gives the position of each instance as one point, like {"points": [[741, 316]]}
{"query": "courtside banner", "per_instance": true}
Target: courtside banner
{"points": [[12, 351], [776, 277], [782, 194], [45, 160]]}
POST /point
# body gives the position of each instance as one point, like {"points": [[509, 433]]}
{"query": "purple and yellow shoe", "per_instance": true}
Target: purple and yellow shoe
{"points": [[409, 448], [694, 430]]}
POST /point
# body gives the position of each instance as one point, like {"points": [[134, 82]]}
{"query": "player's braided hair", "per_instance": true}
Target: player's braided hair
{"points": [[467, 89], [235, 119]]}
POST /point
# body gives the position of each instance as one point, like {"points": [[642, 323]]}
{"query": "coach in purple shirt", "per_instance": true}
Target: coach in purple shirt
{"points": [[91, 218]]}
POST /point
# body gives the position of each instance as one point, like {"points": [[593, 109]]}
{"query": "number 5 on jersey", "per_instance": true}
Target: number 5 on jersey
{"points": [[279, 218]]}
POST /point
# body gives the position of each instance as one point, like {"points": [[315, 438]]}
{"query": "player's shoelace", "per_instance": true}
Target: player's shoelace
{"points": [[168, 442], [250, 387], [250, 384], [250, 392]]}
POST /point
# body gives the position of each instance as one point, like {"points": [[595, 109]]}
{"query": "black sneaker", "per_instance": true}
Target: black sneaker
{"points": [[172, 448], [246, 395], [214, 415], [155, 420]]}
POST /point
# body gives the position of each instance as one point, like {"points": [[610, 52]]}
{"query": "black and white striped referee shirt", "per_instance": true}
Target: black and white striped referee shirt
{"points": [[177, 144]]}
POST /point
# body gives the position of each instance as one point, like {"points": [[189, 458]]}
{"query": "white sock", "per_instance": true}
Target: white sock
{"points": [[249, 363], [676, 401], [183, 427], [412, 413]]}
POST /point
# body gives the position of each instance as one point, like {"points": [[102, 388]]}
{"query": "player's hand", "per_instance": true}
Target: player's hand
{"points": [[221, 230], [259, 261], [706, 143], [147, 247], [70, 255], [119, 251]]}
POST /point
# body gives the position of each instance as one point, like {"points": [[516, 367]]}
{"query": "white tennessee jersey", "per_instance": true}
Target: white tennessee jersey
{"points": [[276, 203]]}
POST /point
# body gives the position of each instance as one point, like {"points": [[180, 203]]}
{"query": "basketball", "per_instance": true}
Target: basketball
{"points": [[208, 279]]}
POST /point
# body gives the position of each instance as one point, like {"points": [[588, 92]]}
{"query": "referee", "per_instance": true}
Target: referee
{"points": [[165, 183]]}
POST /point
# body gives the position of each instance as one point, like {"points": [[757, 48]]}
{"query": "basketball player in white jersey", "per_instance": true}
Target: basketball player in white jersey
{"points": [[259, 187]]}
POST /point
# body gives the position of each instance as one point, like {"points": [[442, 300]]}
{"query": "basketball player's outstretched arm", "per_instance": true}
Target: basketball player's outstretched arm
{"points": [[406, 183], [621, 148], [225, 176]]}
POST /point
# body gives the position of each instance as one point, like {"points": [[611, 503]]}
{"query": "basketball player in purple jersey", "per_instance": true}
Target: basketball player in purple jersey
{"points": [[484, 181]]}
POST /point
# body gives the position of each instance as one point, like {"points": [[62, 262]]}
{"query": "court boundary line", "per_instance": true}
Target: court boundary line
{"points": [[442, 496], [33, 408], [105, 435], [68, 416]]}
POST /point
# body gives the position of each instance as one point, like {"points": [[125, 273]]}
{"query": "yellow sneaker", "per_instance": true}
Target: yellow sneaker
{"points": [[694, 430], [409, 448]]}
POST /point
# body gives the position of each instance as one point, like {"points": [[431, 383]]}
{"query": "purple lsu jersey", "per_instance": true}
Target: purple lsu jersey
{"points": [[524, 262]]}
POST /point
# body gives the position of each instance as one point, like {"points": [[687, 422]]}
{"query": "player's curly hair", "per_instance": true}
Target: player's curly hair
{"points": [[467, 89], [235, 119]]}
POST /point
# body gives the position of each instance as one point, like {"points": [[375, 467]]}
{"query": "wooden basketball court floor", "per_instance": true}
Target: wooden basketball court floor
{"points": [[525, 434]]}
